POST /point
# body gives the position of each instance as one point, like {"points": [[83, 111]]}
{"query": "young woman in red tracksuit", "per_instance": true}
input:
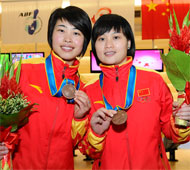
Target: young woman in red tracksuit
{"points": [[46, 141], [142, 95]]}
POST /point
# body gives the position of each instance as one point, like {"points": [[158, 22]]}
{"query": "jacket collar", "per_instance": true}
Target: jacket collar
{"points": [[62, 68], [112, 71]]}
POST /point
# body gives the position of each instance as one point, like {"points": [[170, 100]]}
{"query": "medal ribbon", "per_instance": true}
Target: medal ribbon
{"points": [[52, 83], [130, 92]]}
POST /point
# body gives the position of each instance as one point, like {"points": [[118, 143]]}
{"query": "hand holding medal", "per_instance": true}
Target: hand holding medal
{"points": [[82, 104], [101, 120], [119, 118]]}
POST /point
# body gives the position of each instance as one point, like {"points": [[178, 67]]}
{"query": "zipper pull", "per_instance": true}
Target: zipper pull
{"points": [[117, 76], [63, 72]]}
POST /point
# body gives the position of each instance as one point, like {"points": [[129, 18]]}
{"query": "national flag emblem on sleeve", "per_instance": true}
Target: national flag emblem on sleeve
{"points": [[155, 14]]}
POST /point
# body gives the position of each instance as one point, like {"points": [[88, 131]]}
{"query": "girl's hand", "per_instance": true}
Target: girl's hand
{"points": [[183, 112], [101, 119], [82, 104], [3, 150]]}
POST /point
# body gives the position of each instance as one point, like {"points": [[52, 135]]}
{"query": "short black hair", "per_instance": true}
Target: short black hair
{"points": [[105, 23], [76, 17]]}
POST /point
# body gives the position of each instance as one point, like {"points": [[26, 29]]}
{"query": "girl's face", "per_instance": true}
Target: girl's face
{"points": [[111, 47], [67, 41]]}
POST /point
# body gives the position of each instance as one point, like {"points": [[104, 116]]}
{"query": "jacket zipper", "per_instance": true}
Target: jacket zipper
{"points": [[50, 137], [117, 75], [63, 72]]}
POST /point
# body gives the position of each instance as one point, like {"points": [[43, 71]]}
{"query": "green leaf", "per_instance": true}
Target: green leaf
{"points": [[18, 70], [177, 68], [170, 20], [188, 23], [176, 23], [14, 128], [16, 119], [11, 59], [3, 67], [11, 71], [186, 20]]}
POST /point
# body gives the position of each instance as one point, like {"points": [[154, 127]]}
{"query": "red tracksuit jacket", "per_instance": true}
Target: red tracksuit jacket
{"points": [[138, 143], [45, 142]]}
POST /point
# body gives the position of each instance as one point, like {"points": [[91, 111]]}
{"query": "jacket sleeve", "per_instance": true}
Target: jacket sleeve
{"points": [[78, 129], [182, 135], [79, 126], [92, 143], [171, 131]]}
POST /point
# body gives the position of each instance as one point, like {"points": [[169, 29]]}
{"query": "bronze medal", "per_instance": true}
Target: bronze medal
{"points": [[120, 117], [68, 91]]}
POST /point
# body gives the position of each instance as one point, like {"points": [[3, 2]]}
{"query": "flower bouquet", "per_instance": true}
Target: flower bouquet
{"points": [[177, 61], [14, 108]]}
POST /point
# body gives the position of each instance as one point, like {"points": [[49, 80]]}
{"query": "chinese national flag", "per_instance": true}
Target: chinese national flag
{"points": [[155, 14]]}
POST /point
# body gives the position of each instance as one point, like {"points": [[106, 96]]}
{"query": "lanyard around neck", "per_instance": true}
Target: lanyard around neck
{"points": [[129, 92], [51, 79]]}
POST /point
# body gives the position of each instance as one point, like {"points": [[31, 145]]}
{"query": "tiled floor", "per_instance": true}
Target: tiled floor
{"points": [[185, 146], [182, 155], [80, 164]]}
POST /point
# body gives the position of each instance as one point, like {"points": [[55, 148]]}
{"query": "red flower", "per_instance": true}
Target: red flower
{"points": [[180, 42], [9, 87]]}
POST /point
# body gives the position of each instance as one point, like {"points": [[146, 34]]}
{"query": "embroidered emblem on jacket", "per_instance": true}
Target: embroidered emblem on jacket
{"points": [[143, 95]]}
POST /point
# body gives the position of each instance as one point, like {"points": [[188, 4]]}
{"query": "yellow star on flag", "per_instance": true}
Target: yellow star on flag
{"points": [[151, 6]]}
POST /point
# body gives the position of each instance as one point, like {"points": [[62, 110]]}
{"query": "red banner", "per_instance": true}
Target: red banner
{"points": [[155, 14]]}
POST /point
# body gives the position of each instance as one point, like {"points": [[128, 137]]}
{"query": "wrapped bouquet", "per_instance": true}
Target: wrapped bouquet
{"points": [[14, 108], [177, 61]]}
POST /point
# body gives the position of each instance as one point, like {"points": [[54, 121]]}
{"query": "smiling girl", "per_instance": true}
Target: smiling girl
{"points": [[46, 142], [130, 106]]}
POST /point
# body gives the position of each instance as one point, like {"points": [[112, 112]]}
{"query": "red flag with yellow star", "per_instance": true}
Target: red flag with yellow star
{"points": [[155, 14]]}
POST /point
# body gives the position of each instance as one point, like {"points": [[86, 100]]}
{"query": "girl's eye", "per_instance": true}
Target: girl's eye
{"points": [[76, 33], [116, 37], [101, 39], [60, 30]]}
